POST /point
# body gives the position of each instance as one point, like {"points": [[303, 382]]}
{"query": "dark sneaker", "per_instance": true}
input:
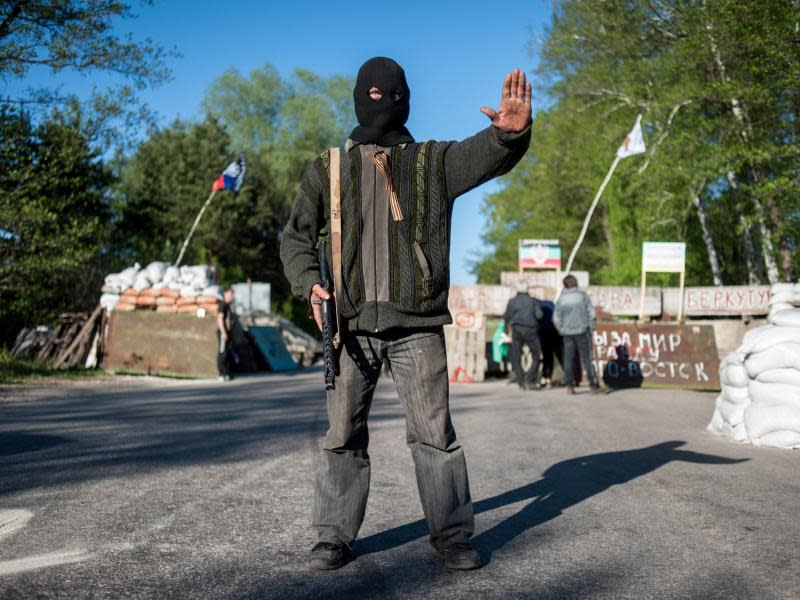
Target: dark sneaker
{"points": [[459, 556], [326, 556]]}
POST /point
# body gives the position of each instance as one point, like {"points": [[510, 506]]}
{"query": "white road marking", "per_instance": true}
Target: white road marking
{"points": [[51, 559], [13, 520]]}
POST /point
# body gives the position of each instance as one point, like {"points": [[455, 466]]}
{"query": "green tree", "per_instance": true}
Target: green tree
{"points": [[78, 35], [54, 213], [717, 84]]}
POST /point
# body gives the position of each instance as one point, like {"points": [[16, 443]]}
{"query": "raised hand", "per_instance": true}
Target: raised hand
{"points": [[514, 113]]}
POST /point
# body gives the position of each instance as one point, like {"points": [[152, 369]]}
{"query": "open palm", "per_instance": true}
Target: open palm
{"points": [[514, 113]]}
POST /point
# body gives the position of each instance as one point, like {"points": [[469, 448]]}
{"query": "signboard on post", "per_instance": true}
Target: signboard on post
{"points": [[669, 355], [662, 257], [539, 254]]}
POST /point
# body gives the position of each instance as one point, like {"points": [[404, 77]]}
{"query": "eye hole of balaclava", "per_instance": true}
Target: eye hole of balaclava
{"points": [[381, 95]]}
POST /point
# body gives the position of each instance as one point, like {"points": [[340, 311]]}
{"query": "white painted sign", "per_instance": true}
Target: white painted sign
{"points": [[664, 257]]}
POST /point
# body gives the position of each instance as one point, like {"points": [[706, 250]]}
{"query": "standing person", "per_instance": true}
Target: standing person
{"points": [[396, 203], [522, 317], [574, 317], [224, 327]]}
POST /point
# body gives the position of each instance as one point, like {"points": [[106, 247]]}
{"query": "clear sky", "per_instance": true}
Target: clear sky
{"points": [[455, 55]]}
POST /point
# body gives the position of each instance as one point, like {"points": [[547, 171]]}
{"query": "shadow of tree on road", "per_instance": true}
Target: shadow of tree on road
{"points": [[561, 486]]}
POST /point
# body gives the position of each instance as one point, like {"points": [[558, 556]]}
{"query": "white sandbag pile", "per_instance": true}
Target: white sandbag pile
{"points": [[760, 399], [163, 288]]}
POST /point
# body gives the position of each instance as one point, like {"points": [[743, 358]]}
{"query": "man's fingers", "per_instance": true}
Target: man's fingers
{"points": [[528, 93], [320, 291], [521, 86], [317, 309], [514, 83], [489, 112], [507, 86]]}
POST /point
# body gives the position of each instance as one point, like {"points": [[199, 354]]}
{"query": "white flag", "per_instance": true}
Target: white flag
{"points": [[634, 141]]}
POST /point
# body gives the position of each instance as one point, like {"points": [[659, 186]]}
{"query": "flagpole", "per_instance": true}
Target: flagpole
{"points": [[194, 226], [589, 214]]}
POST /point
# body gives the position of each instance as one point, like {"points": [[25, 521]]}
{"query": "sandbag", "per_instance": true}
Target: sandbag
{"points": [[785, 356], [187, 308], [148, 292], [782, 298], [109, 301], [165, 301], [213, 291], [779, 439], [787, 376], [171, 274], [158, 286], [736, 432], [168, 292], [146, 300], [155, 271], [125, 306], [768, 336], [167, 308], [735, 395], [183, 301], [732, 414], [760, 420], [175, 285], [188, 291], [787, 318], [141, 283], [781, 288], [774, 394], [715, 424], [206, 300], [734, 375]]}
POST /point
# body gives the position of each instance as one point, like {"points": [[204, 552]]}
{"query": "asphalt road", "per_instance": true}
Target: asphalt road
{"points": [[167, 489]]}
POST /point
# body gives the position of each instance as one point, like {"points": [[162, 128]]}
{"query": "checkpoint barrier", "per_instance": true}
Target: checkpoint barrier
{"points": [[669, 355], [161, 343]]}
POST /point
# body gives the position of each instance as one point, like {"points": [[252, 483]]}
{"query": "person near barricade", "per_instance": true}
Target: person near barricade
{"points": [[574, 317], [621, 372], [522, 318], [396, 204], [224, 328]]}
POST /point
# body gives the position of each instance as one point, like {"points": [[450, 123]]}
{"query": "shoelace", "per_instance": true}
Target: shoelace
{"points": [[381, 160]]}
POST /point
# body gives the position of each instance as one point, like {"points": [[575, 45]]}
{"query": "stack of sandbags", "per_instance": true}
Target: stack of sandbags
{"points": [[163, 288], [767, 411], [731, 403]]}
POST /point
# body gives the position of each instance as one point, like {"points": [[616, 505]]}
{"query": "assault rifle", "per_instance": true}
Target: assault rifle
{"points": [[328, 319]]}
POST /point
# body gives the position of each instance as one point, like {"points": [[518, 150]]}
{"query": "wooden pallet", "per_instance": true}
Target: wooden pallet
{"points": [[466, 354]]}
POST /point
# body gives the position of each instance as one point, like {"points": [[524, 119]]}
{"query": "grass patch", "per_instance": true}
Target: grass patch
{"points": [[17, 370]]}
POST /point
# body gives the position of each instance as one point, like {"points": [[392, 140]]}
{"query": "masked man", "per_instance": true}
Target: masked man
{"points": [[396, 202]]}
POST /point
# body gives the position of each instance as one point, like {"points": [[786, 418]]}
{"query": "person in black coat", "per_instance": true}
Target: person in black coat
{"points": [[522, 317]]}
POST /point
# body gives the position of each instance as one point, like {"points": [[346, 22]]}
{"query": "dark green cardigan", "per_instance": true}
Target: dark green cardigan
{"points": [[427, 177]]}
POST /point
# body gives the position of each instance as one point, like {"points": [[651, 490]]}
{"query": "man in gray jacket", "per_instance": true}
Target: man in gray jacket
{"points": [[574, 317], [396, 203]]}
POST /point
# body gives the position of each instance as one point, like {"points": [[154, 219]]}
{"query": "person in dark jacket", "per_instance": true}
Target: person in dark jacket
{"points": [[522, 318], [396, 203]]}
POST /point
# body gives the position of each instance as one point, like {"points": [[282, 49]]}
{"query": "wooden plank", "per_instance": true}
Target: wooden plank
{"points": [[84, 332]]}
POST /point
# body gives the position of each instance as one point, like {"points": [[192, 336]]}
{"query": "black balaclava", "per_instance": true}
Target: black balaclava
{"points": [[381, 122]]}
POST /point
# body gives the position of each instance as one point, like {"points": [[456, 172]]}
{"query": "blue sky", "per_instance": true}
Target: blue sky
{"points": [[454, 53]]}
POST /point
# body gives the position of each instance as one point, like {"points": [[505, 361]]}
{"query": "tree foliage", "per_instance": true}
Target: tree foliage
{"points": [[718, 84], [55, 215], [80, 36]]}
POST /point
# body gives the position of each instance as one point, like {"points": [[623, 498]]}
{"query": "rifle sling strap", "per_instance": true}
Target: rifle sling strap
{"points": [[336, 233]]}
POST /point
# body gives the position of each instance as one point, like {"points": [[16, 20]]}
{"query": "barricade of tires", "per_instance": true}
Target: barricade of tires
{"points": [[760, 399]]}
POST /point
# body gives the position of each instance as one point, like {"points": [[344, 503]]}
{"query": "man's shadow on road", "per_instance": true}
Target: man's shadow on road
{"points": [[563, 485]]}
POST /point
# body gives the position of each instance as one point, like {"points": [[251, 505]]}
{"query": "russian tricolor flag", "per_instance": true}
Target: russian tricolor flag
{"points": [[232, 177]]}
